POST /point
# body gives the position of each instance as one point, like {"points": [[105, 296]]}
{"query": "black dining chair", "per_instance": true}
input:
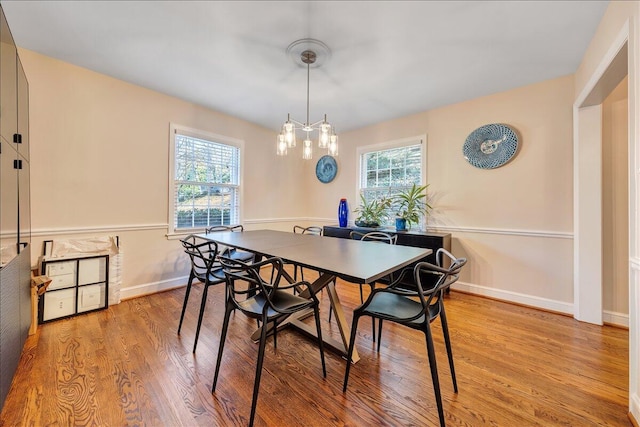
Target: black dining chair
{"points": [[444, 259], [378, 237], [312, 230], [298, 229], [416, 310], [269, 302], [205, 267], [373, 236], [233, 253]]}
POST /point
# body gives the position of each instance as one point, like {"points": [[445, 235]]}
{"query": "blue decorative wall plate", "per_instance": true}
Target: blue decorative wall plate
{"points": [[326, 169], [490, 146]]}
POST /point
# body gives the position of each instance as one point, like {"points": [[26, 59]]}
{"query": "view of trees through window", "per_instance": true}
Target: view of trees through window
{"points": [[386, 172], [206, 183]]}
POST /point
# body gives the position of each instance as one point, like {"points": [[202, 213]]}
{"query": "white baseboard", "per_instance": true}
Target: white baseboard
{"points": [[152, 288], [508, 296], [609, 317], [634, 410], [614, 318], [530, 300]]}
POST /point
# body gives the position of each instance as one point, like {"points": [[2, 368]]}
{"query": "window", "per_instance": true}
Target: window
{"points": [[386, 169], [204, 180]]}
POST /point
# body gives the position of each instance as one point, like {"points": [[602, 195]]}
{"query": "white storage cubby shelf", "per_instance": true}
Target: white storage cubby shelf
{"points": [[78, 285]]}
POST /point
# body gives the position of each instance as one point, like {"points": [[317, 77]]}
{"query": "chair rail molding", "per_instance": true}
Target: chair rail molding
{"points": [[260, 221], [477, 230], [504, 231], [96, 229]]}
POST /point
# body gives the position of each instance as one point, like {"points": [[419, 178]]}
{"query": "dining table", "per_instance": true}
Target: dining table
{"points": [[350, 260]]}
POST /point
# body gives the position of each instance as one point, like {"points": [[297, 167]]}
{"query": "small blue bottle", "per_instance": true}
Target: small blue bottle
{"points": [[343, 212]]}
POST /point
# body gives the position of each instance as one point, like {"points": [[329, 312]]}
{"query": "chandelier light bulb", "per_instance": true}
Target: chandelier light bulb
{"points": [[281, 145], [323, 139], [289, 135], [307, 150], [333, 145], [288, 127]]}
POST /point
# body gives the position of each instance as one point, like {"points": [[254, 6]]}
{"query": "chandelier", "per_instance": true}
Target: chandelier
{"points": [[312, 51]]}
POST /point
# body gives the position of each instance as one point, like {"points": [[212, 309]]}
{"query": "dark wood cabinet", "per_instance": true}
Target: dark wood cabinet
{"points": [[420, 239]]}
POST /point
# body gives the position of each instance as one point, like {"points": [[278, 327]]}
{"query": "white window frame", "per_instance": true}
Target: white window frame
{"points": [[175, 129], [398, 143]]}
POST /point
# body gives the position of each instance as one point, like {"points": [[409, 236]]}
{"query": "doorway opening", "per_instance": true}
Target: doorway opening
{"points": [[599, 148]]}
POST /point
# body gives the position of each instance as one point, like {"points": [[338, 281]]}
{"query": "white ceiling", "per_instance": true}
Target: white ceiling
{"points": [[388, 59]]}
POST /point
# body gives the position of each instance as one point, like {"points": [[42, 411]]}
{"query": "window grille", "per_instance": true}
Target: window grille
{"points": [[206, 178], [385, 171]]}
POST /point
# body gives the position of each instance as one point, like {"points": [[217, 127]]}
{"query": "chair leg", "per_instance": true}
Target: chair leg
{"points": [[447, 342], [256, 385], [316, 312], [373, 319], [352, 340], [203, 303], [380, 324], [275, 333], [434, 373], [186, 299], [223, 336]]}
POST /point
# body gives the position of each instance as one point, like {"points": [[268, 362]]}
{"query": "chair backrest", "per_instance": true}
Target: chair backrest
{"points": [[215, 228], [313, 229], [238, 228], [203, 255], [249, 273], [444, 258], [375, 236], [432, 297]]}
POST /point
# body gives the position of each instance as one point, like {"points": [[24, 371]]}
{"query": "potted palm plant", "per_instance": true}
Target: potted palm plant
{"points": [[410, 206], [373, 212]]}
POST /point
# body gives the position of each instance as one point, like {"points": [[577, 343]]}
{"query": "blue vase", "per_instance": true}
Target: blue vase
{"points": [[401, 224], [343, 212]]}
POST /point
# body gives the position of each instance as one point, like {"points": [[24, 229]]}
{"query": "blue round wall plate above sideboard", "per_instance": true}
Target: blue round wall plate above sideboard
{"points": [[490, 146], [326, 169]]}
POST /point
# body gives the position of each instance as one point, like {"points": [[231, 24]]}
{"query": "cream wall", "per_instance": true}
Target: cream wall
{"points": [[514, 223], [99, 165], [615, 205]]}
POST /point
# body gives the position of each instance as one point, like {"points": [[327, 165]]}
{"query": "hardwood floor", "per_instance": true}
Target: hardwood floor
{"points": [[127, 366]]}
